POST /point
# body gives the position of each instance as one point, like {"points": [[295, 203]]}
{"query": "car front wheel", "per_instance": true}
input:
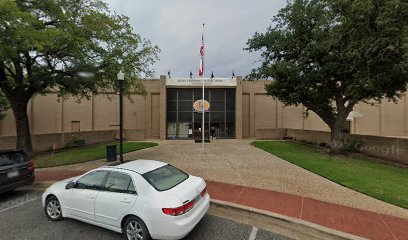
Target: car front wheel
{"points": [[135, 229], [53, 209]]}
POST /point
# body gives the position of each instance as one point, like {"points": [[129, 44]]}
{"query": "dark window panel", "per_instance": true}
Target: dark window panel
{"points": [[217, 94], [185, 94], [217, 106], [171, 116], [230, 94], [185, 106], [230, 130], [171, 105], [217, 117], [185, 117], [230, 106], [171, 94], [198, 93], [230, 116]]}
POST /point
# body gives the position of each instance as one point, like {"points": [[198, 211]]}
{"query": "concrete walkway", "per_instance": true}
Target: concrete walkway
{"points": [[238, 163], [352, 221]]}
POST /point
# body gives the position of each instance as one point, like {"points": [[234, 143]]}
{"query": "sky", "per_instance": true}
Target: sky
{"points": [[176, 27]]}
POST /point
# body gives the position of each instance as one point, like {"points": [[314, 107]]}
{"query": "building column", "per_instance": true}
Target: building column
{"points": [[252, 114], [163, 107], [238, 109], [148, 116]]}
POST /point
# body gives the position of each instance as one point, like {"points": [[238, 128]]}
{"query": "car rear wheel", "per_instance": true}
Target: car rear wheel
{"points": [[135, 229], [53, 209]]}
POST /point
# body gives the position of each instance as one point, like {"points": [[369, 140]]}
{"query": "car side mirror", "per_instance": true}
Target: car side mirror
{"points": [[70, 185]]}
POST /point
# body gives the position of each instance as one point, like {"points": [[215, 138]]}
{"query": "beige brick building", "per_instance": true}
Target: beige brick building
{"points": [[239, 109]]}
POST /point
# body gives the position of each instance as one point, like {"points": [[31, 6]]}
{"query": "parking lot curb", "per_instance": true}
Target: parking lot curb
{"points": [[290, 223]]}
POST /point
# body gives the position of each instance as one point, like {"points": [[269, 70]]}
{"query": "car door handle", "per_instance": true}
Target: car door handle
{"points": [[91, 197], [125, 200]]}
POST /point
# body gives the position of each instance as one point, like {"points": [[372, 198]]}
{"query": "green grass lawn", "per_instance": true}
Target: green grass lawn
{"points": [[385, 182], [81, 155]]}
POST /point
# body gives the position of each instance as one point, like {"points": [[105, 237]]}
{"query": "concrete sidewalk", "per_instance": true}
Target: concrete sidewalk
{"points": [[236, 162], [353, 221]]}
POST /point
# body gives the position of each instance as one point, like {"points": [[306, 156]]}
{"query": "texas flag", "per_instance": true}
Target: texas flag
{"points": [[201, 71]]}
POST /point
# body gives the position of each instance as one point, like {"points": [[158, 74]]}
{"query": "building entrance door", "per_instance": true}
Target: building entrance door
{"points": [[198, 120], [184, 123]]}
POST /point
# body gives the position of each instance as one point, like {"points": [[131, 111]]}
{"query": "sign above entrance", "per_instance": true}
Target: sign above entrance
{"points": [[196, 82], [198, 106]]}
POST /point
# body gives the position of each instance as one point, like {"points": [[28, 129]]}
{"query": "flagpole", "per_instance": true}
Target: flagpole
{"points": [[203, 101]]}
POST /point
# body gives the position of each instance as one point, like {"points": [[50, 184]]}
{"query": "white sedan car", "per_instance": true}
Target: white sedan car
{"points": [[142, 199]]}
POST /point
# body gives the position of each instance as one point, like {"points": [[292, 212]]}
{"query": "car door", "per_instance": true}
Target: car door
{"points": [[116, 199], [79, 201]]}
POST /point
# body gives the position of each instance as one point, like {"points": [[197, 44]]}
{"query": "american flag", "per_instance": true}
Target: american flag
{"points": [[201, 71]]}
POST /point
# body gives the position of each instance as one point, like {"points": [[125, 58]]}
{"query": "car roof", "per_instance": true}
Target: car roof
{"points": [[140, 166]]}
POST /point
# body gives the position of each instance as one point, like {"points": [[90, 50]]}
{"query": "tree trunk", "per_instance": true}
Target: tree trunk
{"points": [[22, 126], [337, 139], [337, 132]]}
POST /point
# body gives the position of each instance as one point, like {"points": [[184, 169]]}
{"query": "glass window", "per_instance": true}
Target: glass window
{"points": [[230, 105], [185, 117], [217, 94], [230, 94], [171, 116], [185, 106], [180, 111], [198, 93], [230, 117], [118, 182], [172, 94], [171, 105], [131, 188], [92, 180], [165, 178], [217, 106], [171, 130], [11, 158], [185, 94], [217, 117]]}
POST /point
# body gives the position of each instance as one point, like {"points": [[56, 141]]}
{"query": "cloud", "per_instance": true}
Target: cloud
{"points": [[176, 27]]}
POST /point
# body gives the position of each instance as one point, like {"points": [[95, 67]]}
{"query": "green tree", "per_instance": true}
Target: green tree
{"points": [[330, 55], [74, 46]]}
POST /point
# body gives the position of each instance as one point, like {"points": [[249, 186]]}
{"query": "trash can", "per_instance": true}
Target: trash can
{"points": [[111, 153]]}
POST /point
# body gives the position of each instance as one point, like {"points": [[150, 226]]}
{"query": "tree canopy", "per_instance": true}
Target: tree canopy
{"points": [[74, 46], [331, 54]]}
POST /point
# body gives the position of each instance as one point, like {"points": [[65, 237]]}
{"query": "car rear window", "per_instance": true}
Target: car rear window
{"points": [[10, 158], [165, 178]]}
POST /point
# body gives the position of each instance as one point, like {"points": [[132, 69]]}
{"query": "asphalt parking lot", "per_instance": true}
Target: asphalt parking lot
{"points": [[22, 217]]}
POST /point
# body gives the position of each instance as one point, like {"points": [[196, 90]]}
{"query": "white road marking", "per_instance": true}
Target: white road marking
{"points": [[3, 210], [254, 231]]}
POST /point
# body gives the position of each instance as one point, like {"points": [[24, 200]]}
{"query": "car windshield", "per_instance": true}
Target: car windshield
{"points": [[165, 178]]}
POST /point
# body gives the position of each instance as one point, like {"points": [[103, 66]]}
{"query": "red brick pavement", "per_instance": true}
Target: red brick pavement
{"points": [[358, 222]]}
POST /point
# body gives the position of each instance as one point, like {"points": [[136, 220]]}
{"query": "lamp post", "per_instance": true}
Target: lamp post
{"points": [[121, 79]]}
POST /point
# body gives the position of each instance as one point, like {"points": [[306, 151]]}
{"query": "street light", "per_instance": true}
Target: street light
{"points": [[121, 79]]}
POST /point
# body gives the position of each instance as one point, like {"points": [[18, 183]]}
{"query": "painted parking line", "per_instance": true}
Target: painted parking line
{"points": [[20, 204], [254, 231]]}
